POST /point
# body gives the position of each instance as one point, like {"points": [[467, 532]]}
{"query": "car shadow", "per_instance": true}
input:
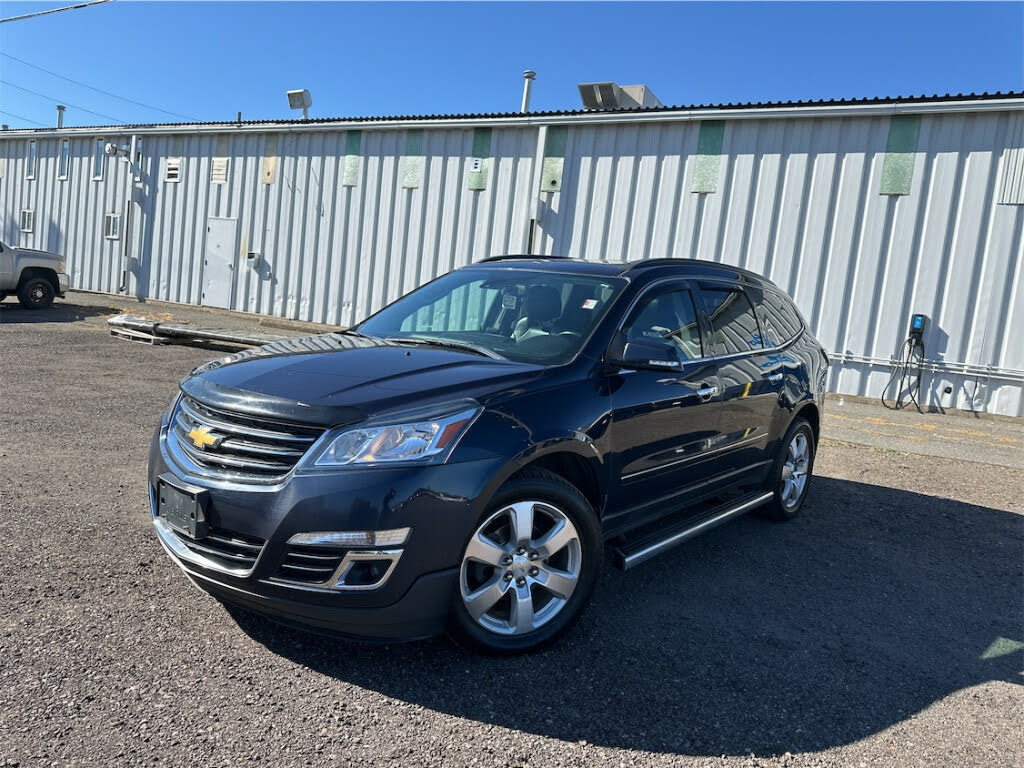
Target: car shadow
{"points": [[58, 312], [756, 638]]}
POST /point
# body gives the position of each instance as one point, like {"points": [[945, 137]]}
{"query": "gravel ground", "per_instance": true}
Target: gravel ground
{"points": [[880, 628]]}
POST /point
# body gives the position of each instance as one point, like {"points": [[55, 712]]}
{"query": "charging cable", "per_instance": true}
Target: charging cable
{"points": [[909, 368]]}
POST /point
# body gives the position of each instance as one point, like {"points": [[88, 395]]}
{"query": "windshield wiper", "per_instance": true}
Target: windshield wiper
{"points": [[446, 343], [353, 332]]}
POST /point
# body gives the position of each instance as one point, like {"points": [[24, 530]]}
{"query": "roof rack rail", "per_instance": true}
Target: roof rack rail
{"points": [[511, 256], [641, 263]]}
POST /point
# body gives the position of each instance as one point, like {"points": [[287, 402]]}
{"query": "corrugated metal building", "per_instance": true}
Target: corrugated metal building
{"points": [[865, 211]]}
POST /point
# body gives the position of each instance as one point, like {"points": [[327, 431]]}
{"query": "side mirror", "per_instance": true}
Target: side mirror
{"points": [[648, 354]]}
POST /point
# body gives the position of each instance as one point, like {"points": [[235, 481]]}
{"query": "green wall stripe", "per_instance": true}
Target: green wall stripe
{"points": [[353, 142], [353, 146], [414, 143], [482, 151], [481, 142], [412, 163], [558, 137], [900, 153], [709, 156], [554, 158]]}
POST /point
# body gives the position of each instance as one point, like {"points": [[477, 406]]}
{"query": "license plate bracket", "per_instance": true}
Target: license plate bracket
{"points": [[183, 507]]}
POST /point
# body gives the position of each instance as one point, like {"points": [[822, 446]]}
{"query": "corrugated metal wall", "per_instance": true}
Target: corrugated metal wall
{"points": [[338, 234], [330, 252]]}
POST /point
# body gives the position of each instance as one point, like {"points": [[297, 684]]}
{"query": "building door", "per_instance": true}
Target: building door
{"points": [[219, 262]]}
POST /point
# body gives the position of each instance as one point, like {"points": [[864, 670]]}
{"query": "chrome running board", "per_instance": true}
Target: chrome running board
{"points": [[634, 553]]}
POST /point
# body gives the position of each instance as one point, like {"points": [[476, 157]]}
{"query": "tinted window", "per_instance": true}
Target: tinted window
{"points": [[779, 319], [733, 325], [668, 317]]}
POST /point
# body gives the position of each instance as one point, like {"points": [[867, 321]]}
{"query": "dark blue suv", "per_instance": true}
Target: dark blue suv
{"points": [[459, 460]]}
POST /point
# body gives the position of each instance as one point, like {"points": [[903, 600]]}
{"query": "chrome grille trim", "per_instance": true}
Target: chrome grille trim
{"points": [[222, 420], [250, 449]]}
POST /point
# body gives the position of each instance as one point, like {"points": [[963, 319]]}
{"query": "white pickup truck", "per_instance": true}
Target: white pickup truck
{"points": [[35, 276]]}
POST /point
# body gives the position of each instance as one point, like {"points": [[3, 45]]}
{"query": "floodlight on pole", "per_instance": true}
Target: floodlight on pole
{"points": [[300, 99]]}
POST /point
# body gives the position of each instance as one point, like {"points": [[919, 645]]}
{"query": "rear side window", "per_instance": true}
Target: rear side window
{"points": [[669, 317], [733, 324], [780, 322]]}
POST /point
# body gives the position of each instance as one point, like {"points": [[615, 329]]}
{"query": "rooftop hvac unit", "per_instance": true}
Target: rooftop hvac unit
{"points": [[607, 95]]}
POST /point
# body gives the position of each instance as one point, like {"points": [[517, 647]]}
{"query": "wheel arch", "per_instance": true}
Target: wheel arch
{"points": [[574, 460], [810, 411], [50, 275]]}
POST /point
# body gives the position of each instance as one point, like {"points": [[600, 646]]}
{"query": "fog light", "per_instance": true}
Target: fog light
{"points": [[392, 537], [367, 573]]}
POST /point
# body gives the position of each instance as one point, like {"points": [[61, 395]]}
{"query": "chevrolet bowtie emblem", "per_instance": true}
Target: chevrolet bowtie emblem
{"points": [[202, 438]]}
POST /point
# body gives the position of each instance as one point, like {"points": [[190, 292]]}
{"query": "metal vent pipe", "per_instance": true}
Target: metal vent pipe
{"points": [[528, 77]]}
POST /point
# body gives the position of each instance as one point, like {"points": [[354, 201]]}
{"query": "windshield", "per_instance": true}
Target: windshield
{"points": [[522, 315]]}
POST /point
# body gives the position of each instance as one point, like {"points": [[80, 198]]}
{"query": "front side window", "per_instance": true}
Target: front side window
{"points": [[97, 160], [670, 317], [63, 160], [733, 324], [30, 161], [523, 315]]}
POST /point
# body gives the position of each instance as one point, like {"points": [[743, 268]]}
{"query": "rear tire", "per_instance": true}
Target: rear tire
{"points": [[36, 293], [521, 590], [791, 472]]}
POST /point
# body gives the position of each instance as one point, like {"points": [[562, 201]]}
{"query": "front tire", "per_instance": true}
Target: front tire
{"points": [[791, 472], [36, 293], [528, 568]]}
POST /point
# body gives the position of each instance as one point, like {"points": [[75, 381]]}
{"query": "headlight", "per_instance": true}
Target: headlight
{"points": [[426, 440], [60, 266]]}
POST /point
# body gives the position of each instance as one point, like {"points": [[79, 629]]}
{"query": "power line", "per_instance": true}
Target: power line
{"points": [[98, 90], [61, 101], [19, 117], [54, 10]]}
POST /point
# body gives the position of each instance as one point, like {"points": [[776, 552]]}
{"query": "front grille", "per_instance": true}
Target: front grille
{"points": [[310, 565], [227, 548], [242, 447]]}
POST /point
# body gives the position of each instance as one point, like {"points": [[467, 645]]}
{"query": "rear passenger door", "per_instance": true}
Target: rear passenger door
{"points": [[750, 380]]}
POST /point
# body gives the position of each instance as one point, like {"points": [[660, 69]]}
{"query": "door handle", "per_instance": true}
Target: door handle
{"points": [[706, 393], [775, 377]]}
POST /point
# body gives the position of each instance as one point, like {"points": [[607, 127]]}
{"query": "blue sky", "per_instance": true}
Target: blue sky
{"points": [[209, 60]]}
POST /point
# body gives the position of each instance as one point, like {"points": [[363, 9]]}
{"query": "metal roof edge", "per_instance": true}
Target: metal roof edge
{"points": [[781, 110]]}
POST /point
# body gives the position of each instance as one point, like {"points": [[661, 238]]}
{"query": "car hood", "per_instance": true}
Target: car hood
{"points": [[336, 379], [38, 254]]}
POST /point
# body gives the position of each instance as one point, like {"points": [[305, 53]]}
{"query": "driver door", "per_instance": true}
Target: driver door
{"points": [[665, 421]]}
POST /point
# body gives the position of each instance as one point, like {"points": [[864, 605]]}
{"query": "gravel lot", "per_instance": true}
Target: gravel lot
{"points": [[878, 629]]}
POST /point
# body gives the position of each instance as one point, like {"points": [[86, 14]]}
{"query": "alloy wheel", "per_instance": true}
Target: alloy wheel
{"points": [[794, 470], [520, 567]]}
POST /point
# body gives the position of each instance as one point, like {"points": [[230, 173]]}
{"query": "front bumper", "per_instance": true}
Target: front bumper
{"points": [[63, 283], [440, 504]]}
